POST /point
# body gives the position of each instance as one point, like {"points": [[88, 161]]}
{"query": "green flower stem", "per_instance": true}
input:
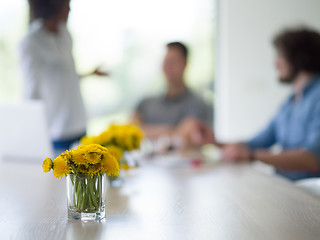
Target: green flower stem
{"points": [[87, 192], [83, 201], [78, 189], [99, 196], [74, 192], [92, 192]]}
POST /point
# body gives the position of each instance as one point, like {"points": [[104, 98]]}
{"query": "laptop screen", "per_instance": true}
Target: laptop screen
{"points": [[24, 134]]}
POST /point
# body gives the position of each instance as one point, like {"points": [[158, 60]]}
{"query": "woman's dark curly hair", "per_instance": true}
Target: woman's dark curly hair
{"points": [[45, 9], [301, 48]]}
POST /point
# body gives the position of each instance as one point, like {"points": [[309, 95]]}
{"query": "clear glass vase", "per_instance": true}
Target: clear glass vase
{"points": [[86, 197]]}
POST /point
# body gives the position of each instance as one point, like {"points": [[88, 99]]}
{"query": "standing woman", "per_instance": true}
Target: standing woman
{"points": [[49, 72]]}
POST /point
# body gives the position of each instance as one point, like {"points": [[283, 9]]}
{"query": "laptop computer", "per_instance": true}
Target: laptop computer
{"points": [[24, 134]]}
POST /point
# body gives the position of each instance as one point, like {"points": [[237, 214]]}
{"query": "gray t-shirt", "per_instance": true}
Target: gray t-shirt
{"points": [[171, 111]]}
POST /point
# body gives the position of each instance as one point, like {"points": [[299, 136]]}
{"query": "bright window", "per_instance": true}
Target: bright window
{"points": [[126, 38]]}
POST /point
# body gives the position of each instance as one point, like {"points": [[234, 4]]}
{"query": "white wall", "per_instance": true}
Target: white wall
{"points": [[247, 91]]}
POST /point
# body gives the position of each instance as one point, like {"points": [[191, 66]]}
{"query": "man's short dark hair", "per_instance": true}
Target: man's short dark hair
{"points": [[180, 46], [45, 9], [301, 48]]}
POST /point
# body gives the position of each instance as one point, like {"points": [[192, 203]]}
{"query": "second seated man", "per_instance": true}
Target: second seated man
{"points": [[170, 113]]}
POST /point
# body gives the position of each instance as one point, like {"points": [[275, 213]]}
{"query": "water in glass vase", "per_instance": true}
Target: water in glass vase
{"points": [[86, 197]]}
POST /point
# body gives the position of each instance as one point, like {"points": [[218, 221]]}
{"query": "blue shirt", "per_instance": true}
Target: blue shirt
{"points": [[295, 126]]}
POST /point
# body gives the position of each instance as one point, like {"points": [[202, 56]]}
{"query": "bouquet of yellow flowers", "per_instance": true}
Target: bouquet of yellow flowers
{"points": [[92, 160], [84, 168], [118, 138], [127, 137]]}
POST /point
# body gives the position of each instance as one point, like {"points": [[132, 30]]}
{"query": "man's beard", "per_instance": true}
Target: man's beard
{"points": [[289, 79]]}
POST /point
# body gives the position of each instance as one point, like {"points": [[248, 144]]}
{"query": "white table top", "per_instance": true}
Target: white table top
{"points": [[217, 202]]}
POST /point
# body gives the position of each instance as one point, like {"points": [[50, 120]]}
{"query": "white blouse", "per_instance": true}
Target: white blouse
{"points": [[49, 74]]}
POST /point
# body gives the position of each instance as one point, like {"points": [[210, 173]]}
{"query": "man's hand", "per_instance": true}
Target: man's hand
{"points": [[195, 132], [99, 72], [235, 152]]}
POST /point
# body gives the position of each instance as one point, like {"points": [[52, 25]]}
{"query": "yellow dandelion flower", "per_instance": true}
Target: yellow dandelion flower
{"points": [[85, 140], [47, 165], [97, 148], [125, 166], [67, 155], [125, 136], [110, 165], [115, 151], [104, 138], [83, 169], [80, 147], [60, 167], [92, 158], [94, 170], [128, 143], [78, 158]]}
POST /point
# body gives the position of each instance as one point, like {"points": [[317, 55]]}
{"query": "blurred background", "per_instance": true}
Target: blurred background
{"points": [[247, 90], [125, 38], [230, 65]]}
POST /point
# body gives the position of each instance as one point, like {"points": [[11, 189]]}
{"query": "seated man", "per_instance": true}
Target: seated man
{"points": [[296, 127], [164, 115]]}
